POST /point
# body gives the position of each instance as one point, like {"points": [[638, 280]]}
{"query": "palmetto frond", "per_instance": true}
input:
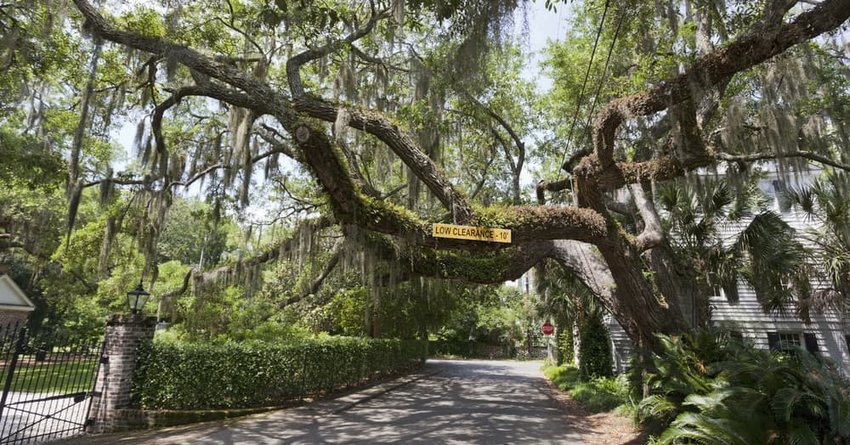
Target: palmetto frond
{"points": [[804, 198], [761, 397], [716, 198], [657, 406], [766, 253], [777, 267], [827, 202], [714, 430]]}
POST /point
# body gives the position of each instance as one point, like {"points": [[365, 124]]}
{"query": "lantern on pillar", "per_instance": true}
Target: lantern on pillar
{"points": [[137, 298]]}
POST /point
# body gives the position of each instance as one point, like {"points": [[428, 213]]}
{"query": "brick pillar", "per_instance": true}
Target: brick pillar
{"points": [[124, 334]]}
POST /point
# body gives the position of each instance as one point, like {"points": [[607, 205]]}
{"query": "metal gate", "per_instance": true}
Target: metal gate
{"points": [[48, 383]]}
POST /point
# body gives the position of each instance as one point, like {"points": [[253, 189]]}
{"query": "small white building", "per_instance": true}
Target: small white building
{"points": [[15, 307]]}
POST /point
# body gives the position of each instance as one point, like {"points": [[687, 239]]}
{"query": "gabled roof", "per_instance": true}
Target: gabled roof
{"points": [[12, 298]]}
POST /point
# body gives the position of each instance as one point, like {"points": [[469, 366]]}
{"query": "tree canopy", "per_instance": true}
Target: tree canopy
{"points": [[363, 123]]}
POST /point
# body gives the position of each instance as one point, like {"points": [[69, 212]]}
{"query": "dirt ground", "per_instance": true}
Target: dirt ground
{"points": [[601, 428]]}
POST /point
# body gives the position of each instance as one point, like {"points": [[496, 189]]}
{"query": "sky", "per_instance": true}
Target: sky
{"points": [[542, 26]]}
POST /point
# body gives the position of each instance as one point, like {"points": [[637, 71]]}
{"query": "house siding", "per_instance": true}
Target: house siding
{"points": [[830, 327], [621, 345], [747, 317]]}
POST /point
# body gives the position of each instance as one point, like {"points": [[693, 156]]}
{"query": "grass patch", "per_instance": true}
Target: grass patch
{"points": [[56, 377], [596, 395]]}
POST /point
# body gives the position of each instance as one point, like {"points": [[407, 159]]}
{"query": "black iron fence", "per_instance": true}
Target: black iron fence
{"points": [[48, 383]]}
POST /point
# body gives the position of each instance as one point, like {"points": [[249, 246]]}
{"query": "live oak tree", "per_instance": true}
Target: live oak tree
{"points": [[393, 110]]}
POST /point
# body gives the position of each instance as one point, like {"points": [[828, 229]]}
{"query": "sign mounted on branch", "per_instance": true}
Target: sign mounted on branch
{"points": [[471, 233]]}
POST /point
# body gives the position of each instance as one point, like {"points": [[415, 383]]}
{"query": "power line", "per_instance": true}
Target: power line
{"points": [[584, 84], [602, 78]]}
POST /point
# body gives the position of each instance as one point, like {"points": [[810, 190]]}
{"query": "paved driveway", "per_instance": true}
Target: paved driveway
{"points": [[455, 402], [41, 416]]}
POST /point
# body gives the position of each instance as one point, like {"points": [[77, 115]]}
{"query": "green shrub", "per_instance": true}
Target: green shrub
{"points": [[564, 377], [680, 370], [596, 395], [175, 375], [710, 391], [594, 349], [566, 353]]}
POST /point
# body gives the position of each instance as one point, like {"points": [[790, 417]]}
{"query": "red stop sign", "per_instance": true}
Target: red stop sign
{"points": [[548, 329]]}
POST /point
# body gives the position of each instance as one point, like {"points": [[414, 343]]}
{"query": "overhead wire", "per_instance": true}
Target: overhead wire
{"points": [[602, 78], [584, 84], [622, 15]]}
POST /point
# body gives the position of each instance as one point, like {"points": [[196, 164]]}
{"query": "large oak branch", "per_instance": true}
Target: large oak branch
{"points": [[709, 70], [401, 144]]}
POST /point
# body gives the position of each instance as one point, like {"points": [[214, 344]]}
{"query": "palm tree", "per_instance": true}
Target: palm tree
{"points": [[765, 253], [759, 397], [826, 202]]}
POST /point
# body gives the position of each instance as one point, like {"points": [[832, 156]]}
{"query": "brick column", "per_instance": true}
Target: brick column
{"points": [[124, 334]]}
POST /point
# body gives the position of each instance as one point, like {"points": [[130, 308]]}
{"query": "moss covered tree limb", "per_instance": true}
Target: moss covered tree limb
{"points": [[401, 143], [745, 52]]}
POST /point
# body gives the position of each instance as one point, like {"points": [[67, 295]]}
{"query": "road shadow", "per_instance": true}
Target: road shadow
{"points": [[463, 402]]}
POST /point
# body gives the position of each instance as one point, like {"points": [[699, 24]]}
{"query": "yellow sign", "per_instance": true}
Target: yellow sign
{"points": [[471, 233]]}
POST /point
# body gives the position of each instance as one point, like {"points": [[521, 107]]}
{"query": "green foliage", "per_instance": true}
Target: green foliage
{"points": [[827, 202], [564, 377], [594, 348], [596, 395], [178, 375], [680, 371], [777, 269], [602, 393], [349, 309], [490, 316], [222, 314], [146, 21], [189, 234], [714, 392], [29, 163], [767, 252], [568, 301], [442, 86], [566, 347]]}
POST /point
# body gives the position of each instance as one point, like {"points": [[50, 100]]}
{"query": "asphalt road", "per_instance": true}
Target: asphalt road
{"points": [[453, 402]]}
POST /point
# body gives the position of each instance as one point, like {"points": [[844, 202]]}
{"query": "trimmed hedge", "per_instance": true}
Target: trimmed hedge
{"points": [[185, 376]]}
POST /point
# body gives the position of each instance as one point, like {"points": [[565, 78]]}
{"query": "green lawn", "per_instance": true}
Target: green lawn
{"points": [[54, 377]]}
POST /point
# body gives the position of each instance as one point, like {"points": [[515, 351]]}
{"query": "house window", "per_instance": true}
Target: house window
{"points": [[791, 341], [783, 341]]}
